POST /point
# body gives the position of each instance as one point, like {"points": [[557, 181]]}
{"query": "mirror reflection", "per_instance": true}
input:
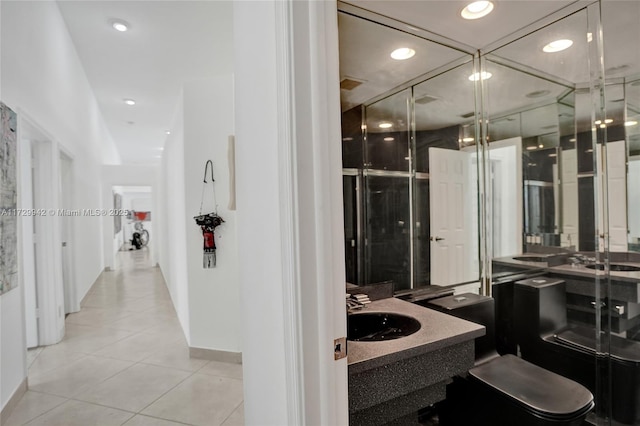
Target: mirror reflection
{"points": [[398, 120], [556, 172]]}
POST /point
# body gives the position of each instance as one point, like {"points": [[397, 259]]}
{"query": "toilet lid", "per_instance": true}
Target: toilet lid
{"points": [[538, 390]]}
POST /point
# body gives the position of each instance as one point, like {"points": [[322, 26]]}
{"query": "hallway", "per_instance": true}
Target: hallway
{"points": [[124, 361]]}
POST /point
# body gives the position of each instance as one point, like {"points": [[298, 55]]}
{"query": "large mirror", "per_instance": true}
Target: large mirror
{"points": [[520, 161], [632, 127], [398, 117]]}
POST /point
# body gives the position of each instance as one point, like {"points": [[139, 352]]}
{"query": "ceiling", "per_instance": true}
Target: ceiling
{"points": [[443, 17], [168, 43]]}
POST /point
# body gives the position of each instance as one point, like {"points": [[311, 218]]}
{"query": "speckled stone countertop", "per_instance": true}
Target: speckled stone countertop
{"points": [[437, 331], [577, 270], [582, 271], [510, 261]]}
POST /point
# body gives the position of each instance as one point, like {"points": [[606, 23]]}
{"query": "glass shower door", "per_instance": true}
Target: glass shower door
{"points": [[388, 188]]}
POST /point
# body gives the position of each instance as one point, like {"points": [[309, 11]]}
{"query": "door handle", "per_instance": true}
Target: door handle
{"points": [[436, 239]]}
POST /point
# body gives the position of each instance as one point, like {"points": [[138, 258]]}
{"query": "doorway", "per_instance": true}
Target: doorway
{"points": [[133, 225], [71, 303], [47, 242]]}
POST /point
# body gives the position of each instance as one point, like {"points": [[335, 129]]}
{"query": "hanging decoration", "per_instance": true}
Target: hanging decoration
{"points": [[208, 222]]}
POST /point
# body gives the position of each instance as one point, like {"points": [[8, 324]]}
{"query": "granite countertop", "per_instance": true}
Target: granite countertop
{"points": [[582, 271], [437, 331], [509, 260], [567, 269]]}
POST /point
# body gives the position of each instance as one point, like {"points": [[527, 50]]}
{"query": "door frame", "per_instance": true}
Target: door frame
{"points": [[295, 123], [45, 259], [71, 302]]}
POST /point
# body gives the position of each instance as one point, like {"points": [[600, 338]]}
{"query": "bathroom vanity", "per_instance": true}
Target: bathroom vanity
{"points": [[390, 380], [620, 295]]}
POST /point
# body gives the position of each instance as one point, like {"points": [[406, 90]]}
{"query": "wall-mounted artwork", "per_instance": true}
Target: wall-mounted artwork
{"points": [[8, 197], [117, 219]]}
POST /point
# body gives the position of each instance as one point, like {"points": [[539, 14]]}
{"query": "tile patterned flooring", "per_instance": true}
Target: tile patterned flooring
{"points": [[124, 361]]}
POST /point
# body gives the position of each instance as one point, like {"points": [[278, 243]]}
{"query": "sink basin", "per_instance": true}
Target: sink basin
{"points": [[613, 267], [531, 258], [380, 326]]}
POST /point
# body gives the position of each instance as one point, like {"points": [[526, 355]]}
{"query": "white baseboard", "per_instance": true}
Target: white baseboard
{"points": [[214, 355], [13, 401]]}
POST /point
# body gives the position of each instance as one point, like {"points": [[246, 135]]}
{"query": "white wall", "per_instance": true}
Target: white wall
{"points": [[214, 296], [42, 79], [13, 369], [207, 300], [170, 220]]}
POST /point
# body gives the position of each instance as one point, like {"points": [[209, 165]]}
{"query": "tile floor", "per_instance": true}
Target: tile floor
{"points": [[124, 361]]}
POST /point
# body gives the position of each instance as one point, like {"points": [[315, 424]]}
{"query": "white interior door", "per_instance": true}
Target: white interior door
{"points": [[569, 185], [48, 262], [506, 194], [25, 200], [617, 195], [66, 235], [450, 216]]}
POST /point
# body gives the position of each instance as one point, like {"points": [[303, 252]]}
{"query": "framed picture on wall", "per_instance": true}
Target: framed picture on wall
{"points": [[8, 198], [117, 219]]}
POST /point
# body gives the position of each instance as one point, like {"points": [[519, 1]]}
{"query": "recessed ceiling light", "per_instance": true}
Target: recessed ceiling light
{"points": [[589, 150], [631, 123], [602, 126], [572, 140], [557, 46], [531, 148], [403, 53], [468, 139], [385, 125], [167, 132], [347, 139], [540, 146], [120, 26], [553, 155], [129, 101], [477, 9], [389, 139], [484, 75]]}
